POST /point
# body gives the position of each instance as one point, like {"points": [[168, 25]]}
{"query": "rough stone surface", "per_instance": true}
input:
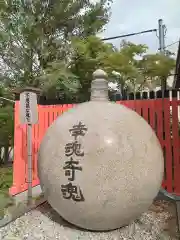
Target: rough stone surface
{"points": [[122, 166]]}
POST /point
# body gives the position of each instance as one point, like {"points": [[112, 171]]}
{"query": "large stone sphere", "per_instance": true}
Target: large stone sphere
{"points": [[100, 165]]}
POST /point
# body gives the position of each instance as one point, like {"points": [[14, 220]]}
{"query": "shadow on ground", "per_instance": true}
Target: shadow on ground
{"points": [[49, 212], [161, 203]]}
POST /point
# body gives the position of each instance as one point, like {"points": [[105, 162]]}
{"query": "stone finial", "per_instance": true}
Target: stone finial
{"points": [[99, 73], [99, 86]]}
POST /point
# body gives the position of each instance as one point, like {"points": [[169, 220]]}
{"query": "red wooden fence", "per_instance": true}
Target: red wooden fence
{"points": [[156, 112]]}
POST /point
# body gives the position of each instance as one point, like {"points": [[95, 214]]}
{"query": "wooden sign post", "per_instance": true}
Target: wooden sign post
{"points": [[29, 116]]}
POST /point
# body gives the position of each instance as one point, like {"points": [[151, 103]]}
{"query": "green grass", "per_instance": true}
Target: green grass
{"points": [[6, 177]]}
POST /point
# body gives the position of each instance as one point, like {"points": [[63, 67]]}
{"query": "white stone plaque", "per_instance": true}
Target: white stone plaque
{"points": [[28, 108]]}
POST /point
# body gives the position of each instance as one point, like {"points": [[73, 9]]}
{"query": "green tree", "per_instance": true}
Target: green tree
{"points": [[6, 132], [155, 67], [138, 70], [126, 62], [34, 34], [35, 47], [6, 125]]}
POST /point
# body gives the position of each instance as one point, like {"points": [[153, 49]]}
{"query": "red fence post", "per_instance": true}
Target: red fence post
{"points": [[175, 142], [168, 147]]}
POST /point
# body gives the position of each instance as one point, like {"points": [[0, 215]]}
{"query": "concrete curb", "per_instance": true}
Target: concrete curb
{"points": [[178, 214], [164, 195], [18, 211]]}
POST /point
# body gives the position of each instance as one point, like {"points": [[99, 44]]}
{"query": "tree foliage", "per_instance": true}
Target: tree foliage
{"points": [[6, 124], [36, 33], [35, 47], [137, 69]]}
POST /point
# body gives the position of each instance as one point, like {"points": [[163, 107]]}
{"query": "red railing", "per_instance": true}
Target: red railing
{"points": [[162, 115]]}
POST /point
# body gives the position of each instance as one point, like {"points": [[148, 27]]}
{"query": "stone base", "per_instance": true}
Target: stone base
{"points": [[21, 197], [21, 207]]}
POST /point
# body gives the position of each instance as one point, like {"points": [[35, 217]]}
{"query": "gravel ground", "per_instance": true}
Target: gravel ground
{"points": [[45, 223]]}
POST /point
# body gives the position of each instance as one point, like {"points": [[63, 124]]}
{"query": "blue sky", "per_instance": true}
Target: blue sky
{"points": [[138, 15]]}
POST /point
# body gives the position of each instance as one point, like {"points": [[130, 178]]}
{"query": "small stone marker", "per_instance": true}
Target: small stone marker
{"points": [[100, 164]]}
